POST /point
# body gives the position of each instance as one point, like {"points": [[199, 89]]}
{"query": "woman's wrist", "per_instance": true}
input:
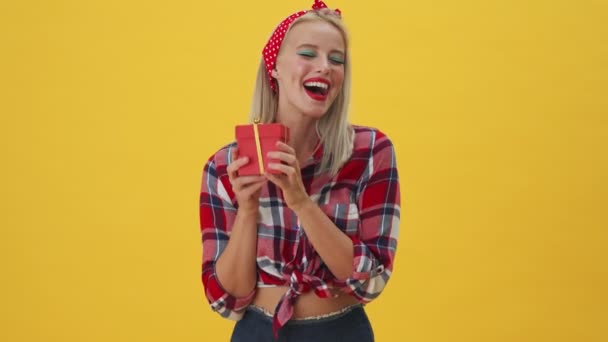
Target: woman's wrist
{"points": [[247, 213], [303, 206]]}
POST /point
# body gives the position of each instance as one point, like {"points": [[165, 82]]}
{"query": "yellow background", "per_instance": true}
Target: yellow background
{"points": [[498, 110]]}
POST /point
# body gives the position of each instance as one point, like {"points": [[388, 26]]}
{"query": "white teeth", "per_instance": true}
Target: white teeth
{"points": [[316, 84]]}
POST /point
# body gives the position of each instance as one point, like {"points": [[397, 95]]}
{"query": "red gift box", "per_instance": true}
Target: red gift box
{"points": [[255, 141]]}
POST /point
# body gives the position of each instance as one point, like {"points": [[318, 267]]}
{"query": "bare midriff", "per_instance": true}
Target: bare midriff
{"points": [[307, 304]]}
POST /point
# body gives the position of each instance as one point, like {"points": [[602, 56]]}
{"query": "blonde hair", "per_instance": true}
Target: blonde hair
{"points": [[335, 132]]}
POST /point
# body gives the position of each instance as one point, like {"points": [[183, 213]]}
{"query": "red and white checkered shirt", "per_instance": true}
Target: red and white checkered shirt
{"points": [[362, 199]]}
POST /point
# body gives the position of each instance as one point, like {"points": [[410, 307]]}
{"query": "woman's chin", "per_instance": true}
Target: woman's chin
{"points": [[316, 113], [316, 110]]}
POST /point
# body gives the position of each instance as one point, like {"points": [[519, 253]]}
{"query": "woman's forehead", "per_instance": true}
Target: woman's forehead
{"points": [[315, 33]]}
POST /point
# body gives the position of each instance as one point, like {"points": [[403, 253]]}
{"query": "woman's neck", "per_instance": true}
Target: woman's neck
{"points": [[303, 135]]}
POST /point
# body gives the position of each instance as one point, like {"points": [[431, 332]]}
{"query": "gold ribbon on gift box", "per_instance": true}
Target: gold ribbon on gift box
{"points": [[258, 144]]}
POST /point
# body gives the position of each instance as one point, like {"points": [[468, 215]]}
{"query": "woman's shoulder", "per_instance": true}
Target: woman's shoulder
{"points": [[370, 137], [221, 158]]}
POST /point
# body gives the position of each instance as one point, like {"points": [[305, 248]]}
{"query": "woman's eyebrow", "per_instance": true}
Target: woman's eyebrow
{"points": [[308, 45]]}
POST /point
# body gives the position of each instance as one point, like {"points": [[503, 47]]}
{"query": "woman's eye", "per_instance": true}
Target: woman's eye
{"points": [[307, 53], [336, 60]]}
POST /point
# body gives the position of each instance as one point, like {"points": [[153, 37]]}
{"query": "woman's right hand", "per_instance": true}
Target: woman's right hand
{"points": [[247, 189]]}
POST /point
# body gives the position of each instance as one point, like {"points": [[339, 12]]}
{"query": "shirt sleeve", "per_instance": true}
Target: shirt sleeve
{"points": [[217, 214], [379, 217]]}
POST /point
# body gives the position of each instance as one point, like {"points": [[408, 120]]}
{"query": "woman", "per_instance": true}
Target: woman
{"points": [[294, 256]]}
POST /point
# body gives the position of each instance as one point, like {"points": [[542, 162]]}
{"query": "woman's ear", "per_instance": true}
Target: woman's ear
{"points": [[274, 73]]}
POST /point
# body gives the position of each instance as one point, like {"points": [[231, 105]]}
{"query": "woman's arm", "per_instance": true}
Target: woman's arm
{"points": [[362, 263], [333, 246], [229, 236], [236, 266]]}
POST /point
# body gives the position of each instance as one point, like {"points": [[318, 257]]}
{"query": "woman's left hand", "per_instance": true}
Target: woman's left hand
{"points": [[290, 178]]}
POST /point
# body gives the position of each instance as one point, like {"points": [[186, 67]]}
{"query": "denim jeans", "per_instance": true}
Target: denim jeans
{"points": [[352, 325]]}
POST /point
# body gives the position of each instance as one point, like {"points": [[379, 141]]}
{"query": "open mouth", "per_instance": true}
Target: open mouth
{"points": [[317, 90]]}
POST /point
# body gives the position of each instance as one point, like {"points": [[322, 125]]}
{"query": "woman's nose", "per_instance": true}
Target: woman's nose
{"points": [[323, 66]]}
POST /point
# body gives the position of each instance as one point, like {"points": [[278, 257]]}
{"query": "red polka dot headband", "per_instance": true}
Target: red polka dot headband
{"points": [[274, 43]]}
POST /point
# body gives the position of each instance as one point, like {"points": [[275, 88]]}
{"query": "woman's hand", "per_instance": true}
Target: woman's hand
{"points": [[290, 179], [247, 189]]}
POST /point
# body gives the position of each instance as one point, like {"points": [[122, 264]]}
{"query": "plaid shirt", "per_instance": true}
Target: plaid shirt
{"points": [[362, 199]]}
